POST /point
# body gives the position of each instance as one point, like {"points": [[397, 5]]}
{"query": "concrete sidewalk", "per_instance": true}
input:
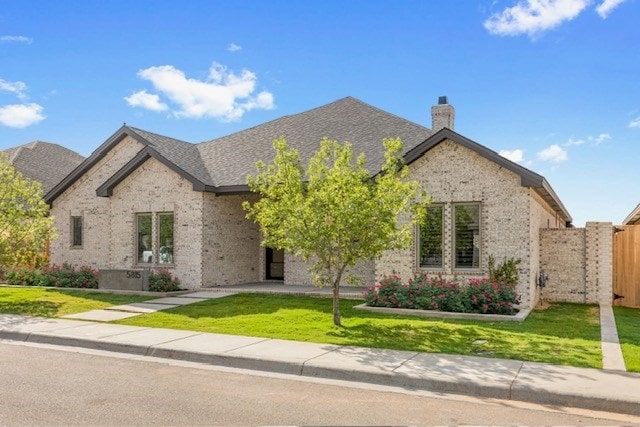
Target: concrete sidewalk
{"points": [[594, 389]]}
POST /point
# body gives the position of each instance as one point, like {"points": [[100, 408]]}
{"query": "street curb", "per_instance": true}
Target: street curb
{"points": [[517, 389]]}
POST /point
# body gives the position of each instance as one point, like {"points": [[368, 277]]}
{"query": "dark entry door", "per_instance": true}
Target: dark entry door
{"points": [[275, 264]]}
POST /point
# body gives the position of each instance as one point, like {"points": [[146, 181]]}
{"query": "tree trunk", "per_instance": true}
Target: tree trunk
{"points": [[336, 303]]}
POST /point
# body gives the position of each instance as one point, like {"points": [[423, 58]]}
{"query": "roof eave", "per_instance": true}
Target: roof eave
{"points": [[633, 217]]}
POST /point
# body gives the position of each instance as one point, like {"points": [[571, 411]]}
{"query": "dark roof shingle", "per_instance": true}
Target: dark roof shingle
{"points": [[44, 162], [232, 157]]}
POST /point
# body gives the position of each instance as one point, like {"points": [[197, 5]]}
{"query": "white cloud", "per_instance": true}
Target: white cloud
{"points": [[553, 153], [600, 138], [635, 123], [573, 142], [513, 155], [16, 88], [534, 16], [16, 39], [607, 6], [21, 115], [146, 100], [234, 47], [224, 94]]}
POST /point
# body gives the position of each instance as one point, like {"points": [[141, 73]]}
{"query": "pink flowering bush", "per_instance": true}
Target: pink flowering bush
{"points": [[162, 280], [424, 292]]}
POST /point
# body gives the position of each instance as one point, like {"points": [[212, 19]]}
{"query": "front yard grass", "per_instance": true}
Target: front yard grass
{"points": [[565, 334], [628, 324], [55, 303]]}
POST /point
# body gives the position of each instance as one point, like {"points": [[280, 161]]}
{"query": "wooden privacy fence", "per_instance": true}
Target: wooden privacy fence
{"points": [[626, 266]]}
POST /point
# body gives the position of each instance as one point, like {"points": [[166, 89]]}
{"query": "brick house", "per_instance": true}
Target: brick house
{"points": [[144, 200]]}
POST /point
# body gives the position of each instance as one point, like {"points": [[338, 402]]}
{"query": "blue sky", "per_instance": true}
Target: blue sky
{"points": [[552, 84]]}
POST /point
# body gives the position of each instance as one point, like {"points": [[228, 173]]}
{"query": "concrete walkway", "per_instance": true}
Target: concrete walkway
{"points": [[611, 351], [125, 311], [593, 389]]}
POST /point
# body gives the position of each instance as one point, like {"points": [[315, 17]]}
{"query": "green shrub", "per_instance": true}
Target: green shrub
{"points": [[505, 273], [162, 280], [24, 276], [424, 292], [64, 276]]}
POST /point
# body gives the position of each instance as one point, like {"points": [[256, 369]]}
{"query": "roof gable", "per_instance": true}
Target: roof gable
{"points": [[528, 178], [180, 156]]}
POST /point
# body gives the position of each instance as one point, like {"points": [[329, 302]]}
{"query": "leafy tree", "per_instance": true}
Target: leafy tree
{"points": [[334, 214], [25, 226]]}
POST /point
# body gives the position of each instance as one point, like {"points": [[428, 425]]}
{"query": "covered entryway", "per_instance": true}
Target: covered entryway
{"points": [[626, 266], [275, 264]]}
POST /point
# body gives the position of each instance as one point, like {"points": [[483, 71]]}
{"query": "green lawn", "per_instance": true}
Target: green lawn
{"points": [[566, 334], [628, 323], [54, 302]]}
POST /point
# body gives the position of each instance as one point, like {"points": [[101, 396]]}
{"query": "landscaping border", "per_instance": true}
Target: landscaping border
{"points": [[518, 317], [103, 291]]}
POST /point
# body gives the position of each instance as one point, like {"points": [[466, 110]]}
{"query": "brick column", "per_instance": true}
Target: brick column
{"points": [[599, 262]]}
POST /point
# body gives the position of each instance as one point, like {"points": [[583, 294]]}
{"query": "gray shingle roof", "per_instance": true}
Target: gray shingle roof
{"points": [[230, 158], [221, 165], [183, 154], [44, 162]]}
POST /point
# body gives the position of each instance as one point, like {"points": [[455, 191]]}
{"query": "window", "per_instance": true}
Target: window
{"points": [[165, 224], [76, 231], [154, 238], [467, 236], [145, 248], [431, 238]]}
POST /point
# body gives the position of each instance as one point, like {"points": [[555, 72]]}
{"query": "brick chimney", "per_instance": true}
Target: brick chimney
{"points": [[442, 115]]}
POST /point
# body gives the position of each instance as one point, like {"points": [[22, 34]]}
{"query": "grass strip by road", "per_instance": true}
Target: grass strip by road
{"points": [[564, 334], [55, 303], [628, 324]]}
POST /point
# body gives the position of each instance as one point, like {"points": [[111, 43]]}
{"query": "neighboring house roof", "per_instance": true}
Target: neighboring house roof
{"points": [[633, 217], [221, 165], [44, 162]]}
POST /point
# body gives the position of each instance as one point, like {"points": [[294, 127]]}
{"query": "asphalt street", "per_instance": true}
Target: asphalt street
{"points": [[47, 385]]}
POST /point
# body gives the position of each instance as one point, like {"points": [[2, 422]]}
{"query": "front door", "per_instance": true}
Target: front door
{"points": [[275, 264]]}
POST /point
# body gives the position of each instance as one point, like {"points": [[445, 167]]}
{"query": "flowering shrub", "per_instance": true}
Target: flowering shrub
{"points": [[163, 281], [424, 292], [64, 276]]}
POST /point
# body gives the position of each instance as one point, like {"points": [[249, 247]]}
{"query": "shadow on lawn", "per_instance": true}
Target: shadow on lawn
{"points": [[30, 308]]}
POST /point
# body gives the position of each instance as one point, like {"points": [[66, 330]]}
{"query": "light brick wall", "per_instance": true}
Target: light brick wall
{"points": [[541, 217], [579, 263], [296, 272], [231, 243], [80, 200], [164, 191], [562, 258], [109, 234], [451, 173]]}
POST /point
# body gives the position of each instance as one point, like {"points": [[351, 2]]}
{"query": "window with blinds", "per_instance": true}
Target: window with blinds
{"points": [[467, 235]]}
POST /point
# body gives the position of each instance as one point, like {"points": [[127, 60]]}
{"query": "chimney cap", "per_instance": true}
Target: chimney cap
{"points": [[442, 100]]}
